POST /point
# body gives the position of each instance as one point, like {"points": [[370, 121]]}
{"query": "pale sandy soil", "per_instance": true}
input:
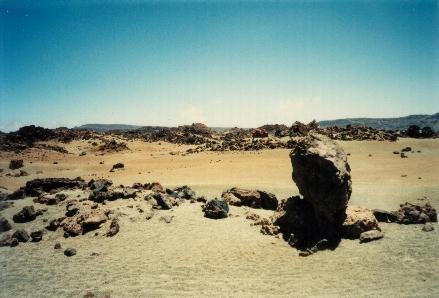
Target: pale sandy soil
{"points": [[195, 256]]}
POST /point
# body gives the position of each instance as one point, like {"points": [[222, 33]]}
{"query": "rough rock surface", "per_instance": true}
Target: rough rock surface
{"points": [[415, 214], [371, 235], [69, 252], [358, 220], [114, 228], [37, 236], [216, 209], [322, 174], [8, 240], [252, 198]]}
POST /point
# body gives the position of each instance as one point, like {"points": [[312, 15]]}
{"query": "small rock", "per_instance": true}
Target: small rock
{"points": [[216, 209], [149, 214], [15, 164], [4, 225], [57, 246], [36, 236], [428, 227], [8, 240], [69, 252], [114, 228], [25, 215], [370, 236], [21, 235], [166, 218]]}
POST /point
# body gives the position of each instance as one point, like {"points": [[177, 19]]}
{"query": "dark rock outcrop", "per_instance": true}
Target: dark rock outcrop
{"points": [[8, 240], [415, 214]]}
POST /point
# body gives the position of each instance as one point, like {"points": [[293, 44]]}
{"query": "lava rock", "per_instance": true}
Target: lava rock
{"points": [[384, 216], [21, 235], [370, 236], [251, 198], [69, 252], [8, 240], [114, 228], [216, 209], [358, 220], [25, 215], [322, 175], [36, 236], [15, 164], [4, 225]]}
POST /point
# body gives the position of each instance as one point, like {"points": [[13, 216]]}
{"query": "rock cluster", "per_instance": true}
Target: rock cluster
{"points": [[408, 214]]}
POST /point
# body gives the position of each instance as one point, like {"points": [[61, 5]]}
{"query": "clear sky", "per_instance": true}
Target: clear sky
{"points": [[66, 63]]}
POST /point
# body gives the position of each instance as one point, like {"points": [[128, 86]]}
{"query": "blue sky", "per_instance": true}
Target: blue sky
{"points": [[66, 63]]}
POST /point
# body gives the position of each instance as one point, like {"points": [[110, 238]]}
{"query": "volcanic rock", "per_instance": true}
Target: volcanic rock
{"points": [[69, 252], [259, 133], [117, 166], [384, 216], [428, 227], [21, 235], [371, 235], [114, 228], [154, 186], [415, 214], [25, 215], [216, 209], [8, 240], [37, 236], [4, 225], [15, 164], [358, 220], [322, 175], [252, 198]]}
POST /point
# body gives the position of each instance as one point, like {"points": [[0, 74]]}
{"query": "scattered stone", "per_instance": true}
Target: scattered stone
{"points": [[92, 220], [184, 192], [406, 149], [4, 225], [37, 236], [8, 240], [251, 198], [15, 164], [57, 246], [21, 235], [216, 209], [25, 215], [166, 218], [117, 166], [149, 214], [54, 224], [403, 155], [370, 235], [114, 228], [69, 252], [72, 208], [428, 227], [395, 152]]}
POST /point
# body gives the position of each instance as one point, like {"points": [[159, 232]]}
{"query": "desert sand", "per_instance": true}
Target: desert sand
{"points": [[197, 256]]}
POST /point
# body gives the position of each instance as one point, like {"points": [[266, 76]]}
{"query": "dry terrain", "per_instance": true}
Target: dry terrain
{"points": [[196, 256]]}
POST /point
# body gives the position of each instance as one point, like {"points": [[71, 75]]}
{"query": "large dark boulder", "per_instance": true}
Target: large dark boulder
{"points": [[251, 198], [216, 209], [322, 175], [413, 131]]}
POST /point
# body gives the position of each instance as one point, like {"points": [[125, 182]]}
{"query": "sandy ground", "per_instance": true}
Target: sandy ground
{"points": [[195, 256]]}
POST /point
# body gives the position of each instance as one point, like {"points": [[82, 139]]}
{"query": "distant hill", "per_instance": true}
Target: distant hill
{"points": [[107, 127], [387, 123]]}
